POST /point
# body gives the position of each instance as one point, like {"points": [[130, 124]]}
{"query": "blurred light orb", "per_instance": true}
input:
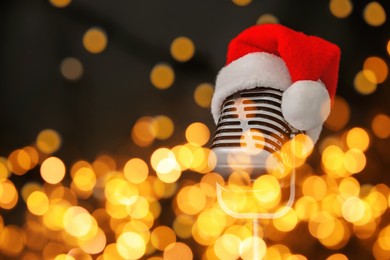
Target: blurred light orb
{"points": [[203, 94], [95, 40], [340, 8], [358, 138], [182, 49], [374, 14], [48, 141], [162, 236], [60, 3], [381, 126], [375, 69], [339, 115], [71, 69], [362, 83], [131, 245], [143, 133], [38, 203], [178, 250], [267, 19], [136, 170], [162, 76], [53, 170], [242, 2], [197, 134], [163, 127]]}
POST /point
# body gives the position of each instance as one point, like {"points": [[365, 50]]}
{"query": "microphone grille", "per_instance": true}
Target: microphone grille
{"points": [[251, 121]]}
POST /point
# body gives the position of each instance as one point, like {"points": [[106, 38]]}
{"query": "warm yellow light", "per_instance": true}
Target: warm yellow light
{"points": [[121, 192], [95, 244], [203, 94], [53, 170], [340, 8], [143, 132], [287, 222], [131, 245], [337, 256], [182, 49], [53, 219], [251, 245], [19, 162], [179, 249], [184, 155], [8, 195], [363, 84], [182, 226], [374, 14], [354, 161], [333, 158], [227, 246], [11, 241], [305, 207], [60, 3], [38, 203], [162, 76], [211, 222], [136, 170], [162, 236], [139, 209], [84, 179], [267, 190], [242, 2], [95, 40], [381, 126], [375, 69], [315, 187], [321, 225], [191, 200], [339, 115], [78, 222], [48, 141], [163, 127], [197, 134], [358, 138], [353, 209], [4, 171], [349, 187], [267, 18]]}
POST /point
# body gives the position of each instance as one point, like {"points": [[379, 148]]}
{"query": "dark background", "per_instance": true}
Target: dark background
{"points": [[95, 115]]}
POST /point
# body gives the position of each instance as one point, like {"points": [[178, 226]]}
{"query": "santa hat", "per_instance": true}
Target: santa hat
{"points": [[304, 67]]}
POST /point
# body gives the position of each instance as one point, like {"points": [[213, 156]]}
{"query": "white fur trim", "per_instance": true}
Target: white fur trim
{"points": [[258, 69], [306, 104]]}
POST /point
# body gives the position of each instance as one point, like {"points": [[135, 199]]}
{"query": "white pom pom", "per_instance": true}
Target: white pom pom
{"points": [[306, 104]]}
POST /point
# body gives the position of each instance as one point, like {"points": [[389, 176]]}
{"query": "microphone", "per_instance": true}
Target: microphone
{"points": [[250, 134]]}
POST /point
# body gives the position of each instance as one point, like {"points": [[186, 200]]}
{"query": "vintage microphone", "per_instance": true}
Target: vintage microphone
{"points": [[276, 83]]}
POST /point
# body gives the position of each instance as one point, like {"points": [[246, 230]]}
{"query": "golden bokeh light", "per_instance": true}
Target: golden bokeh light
{"points": [[341, 8], [375, 69], [182, 49], [131, 245], [19, 162], [162, 236], [354, 161], [78, 222], [143, 133], [121, 192], [53, 170], [362, 84], [253, 248], [60, 3], [381, 126], [339, 115], [242, 2], [48, 141], [95, 40], [267, 190], [38, 203], [203, 94], [136, 170], [314, 187], [8, 195], [12, 241], [182, 226], [337, 256], [374, 14], [197, 134], [191, 200], [227, 246], [95, 244], [178, 250], [358, 138], [162, 76], [267, 18], [353, 209], [163, 127], [71, 69]]}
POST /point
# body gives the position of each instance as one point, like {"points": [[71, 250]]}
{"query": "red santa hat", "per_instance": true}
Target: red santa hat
{"points": [[304, 67]]}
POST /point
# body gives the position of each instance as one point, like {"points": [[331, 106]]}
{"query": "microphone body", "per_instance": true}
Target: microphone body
{"points": [[250, 133]]}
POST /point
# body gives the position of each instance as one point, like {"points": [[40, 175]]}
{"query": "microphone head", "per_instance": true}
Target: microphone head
{"points": [[250, 134]]}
